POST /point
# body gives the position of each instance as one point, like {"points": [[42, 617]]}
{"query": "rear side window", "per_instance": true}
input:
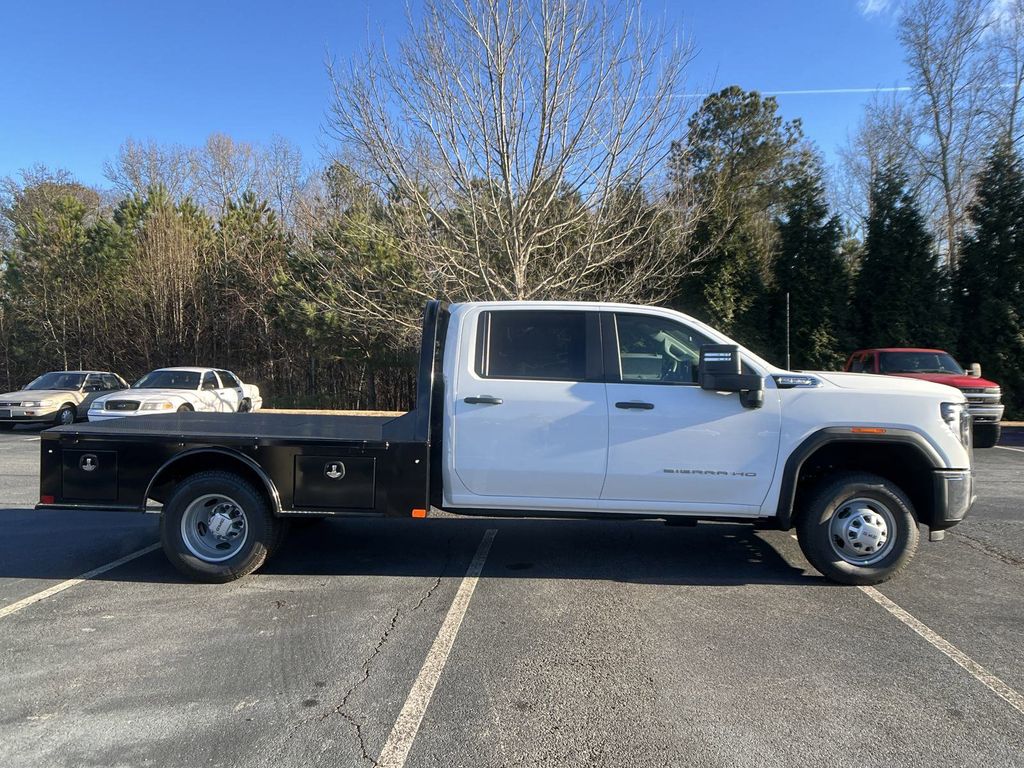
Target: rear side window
{"points": [[111, 382], [228, 380], [545, 344]]}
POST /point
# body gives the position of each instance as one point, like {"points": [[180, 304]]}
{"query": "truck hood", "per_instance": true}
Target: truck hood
{"points": [[867, 382], [41, 394], [957, 380]]}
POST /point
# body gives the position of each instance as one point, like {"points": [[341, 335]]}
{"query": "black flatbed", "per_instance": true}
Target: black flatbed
{"points": [[257, 426]]}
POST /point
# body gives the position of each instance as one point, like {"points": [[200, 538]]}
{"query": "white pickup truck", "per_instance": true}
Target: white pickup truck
{"points": [[554, 409]]}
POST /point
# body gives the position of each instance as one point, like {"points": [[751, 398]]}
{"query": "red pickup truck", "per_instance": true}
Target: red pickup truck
{"points": [[983, 396]]}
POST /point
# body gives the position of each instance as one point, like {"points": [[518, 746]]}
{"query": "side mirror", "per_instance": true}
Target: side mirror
{"points": [[720, 370], [975, 370]]}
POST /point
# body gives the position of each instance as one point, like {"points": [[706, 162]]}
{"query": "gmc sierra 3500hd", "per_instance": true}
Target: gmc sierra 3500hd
{"points": [[553, 409]]}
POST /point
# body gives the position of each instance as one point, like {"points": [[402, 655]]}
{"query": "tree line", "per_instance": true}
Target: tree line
{"points": [[541, 151]]}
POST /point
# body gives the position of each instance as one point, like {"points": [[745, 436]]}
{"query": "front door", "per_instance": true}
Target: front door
{"points": [[671, 442], [531, 419]]}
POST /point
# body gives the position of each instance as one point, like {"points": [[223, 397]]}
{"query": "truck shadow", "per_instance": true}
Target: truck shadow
{"points": [[642, 552], [63, 545]]}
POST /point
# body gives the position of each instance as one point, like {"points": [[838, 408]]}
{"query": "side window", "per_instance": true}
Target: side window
{"points": [[228, 380], [656, 350], [857, 366], [525, 344], [93, 383], [110, 382], [209, 380], [869, 362]]}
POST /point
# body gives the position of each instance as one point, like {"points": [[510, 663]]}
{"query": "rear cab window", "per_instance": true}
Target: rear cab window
{"points": [[543, 345]]}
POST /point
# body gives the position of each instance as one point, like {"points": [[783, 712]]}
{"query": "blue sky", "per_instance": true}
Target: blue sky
{"points": [[77, 78]]}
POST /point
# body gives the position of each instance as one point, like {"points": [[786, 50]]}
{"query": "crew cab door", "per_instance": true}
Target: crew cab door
{"points": [[673, 445], [530, 414]]}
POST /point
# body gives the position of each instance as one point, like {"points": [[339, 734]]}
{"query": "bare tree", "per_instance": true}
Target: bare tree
{"points": [[517, 151], [139, 166], [944, 41], [1006, 59], [886, 137]]}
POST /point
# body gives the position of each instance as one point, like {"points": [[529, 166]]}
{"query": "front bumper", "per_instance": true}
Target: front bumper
{"points": [[19, 415], [108, 415], [954, 496], [985, 414]]}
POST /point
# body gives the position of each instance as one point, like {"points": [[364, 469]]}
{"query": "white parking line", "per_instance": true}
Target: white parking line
{"points": [[1008, 448], [403, 733], [7, 610], [976, 670]]}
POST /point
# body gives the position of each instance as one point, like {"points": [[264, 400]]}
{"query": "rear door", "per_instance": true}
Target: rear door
{"points": [[673, 445], [209, 389], [530, 414]]}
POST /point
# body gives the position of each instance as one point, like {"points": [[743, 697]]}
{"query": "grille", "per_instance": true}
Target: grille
{"points": [[122, 405], [5, 404]]}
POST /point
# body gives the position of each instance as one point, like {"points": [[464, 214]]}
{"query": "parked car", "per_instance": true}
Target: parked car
{"points": [[57, 397], [983, 396], [606, 411], [170, 390]]}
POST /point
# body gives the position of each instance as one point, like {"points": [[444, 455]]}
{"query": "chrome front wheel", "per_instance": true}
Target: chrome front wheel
{"points": [[862, 531]]}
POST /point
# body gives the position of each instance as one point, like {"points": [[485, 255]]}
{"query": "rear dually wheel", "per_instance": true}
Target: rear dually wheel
{"points": [[216, 527]]}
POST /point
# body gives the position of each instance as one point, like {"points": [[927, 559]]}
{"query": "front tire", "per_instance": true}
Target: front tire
{"points": [[66, 415], [216, 527], [185, 408], [857, 528], [987, 435]]}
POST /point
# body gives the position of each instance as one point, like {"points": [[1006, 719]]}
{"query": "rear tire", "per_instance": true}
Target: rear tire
{"points": [[987, 435], [857, 528], [216, 527], [245, 406]]}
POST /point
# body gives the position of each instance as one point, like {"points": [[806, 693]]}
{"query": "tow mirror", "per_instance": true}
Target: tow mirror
{"points": [[975, 370], [720, 370]]}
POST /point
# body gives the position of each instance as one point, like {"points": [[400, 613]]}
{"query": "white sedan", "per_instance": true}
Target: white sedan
{"points": [[170, 390]]}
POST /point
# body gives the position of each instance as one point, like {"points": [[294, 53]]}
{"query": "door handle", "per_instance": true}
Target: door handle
{"points": [[634, 404], [484, 400]]}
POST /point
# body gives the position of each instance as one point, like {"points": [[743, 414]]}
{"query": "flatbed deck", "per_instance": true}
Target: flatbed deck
{"points": [[233, 427]]}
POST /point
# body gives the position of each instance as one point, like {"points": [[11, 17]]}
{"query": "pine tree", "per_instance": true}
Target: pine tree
{"points": [[809, 265], [901, 297], [990, 278]]}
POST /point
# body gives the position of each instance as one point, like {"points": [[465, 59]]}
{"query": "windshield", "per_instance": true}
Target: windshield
{"points": [[58, 380], [168, 380], [918, 362]]}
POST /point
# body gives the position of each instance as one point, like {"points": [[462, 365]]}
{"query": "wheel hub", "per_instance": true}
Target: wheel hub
{"points": [[862, 531], [221, 525], [214, 528]]}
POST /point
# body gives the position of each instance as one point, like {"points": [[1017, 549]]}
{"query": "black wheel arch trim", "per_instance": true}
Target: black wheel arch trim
{"points": [[268, 484], [829, 435]]}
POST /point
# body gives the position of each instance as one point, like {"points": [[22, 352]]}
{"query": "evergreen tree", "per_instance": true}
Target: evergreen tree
{"points": [[990, 278], [809, 265], [901, 297], [737, 157]]}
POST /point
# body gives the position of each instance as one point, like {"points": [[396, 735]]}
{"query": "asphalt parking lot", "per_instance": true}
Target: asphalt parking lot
{"points": [[583, 644]]}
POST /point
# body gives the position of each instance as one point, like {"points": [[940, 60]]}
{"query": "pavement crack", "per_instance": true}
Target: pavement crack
{"points": [[986, 548], [342, 709]]}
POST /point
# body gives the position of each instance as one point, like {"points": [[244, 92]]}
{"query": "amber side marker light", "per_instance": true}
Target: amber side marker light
{"points": [[867, 430], [419, 513], [46, 499]]}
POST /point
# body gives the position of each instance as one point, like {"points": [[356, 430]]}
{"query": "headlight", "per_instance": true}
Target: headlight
{"points": [[161, 406], [37, 403], [992, 391], [958, 420]]}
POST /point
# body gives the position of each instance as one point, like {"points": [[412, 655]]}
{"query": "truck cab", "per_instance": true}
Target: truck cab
{"points": [[984, 397], [589, 410]]}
